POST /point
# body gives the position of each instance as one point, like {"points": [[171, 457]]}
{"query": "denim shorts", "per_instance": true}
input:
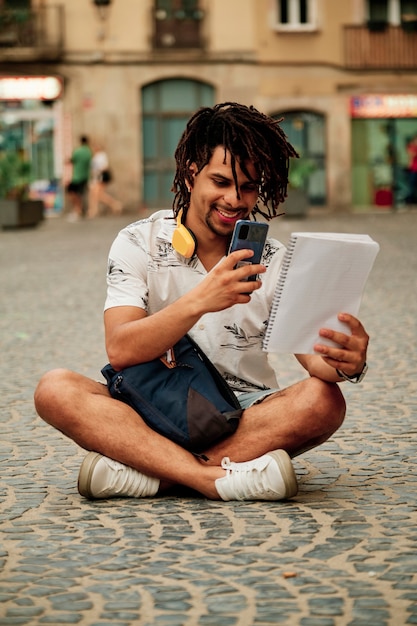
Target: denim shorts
{"points": [[249, 398]]}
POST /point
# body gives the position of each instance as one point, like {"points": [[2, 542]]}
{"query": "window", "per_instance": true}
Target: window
{"points": [[15, 4], [378, 10], [408, 11], [394, 12], [295, 15], [177, 24], [408, 7], [181, 9]]}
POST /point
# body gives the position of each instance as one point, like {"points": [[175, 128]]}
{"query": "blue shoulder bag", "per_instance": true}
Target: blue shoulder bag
{"points": [[180, 395]]}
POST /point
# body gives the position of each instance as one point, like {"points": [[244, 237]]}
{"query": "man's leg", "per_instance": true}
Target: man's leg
{"points": [[84, 411], [115, 205], [93, 199], [76, 204], [295, 419]]}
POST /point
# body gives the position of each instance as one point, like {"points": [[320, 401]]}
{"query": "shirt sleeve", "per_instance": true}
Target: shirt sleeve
{"points": [[127, 283]]}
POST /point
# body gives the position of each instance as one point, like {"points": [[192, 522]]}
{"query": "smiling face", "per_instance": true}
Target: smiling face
{"points": [[215, 206]]}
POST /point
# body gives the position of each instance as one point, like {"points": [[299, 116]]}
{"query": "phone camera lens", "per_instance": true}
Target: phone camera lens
{"points": [[243, 234]]}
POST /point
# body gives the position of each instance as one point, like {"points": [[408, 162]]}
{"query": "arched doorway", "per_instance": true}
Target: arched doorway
{"points": [[166, 107], [307, 133]]}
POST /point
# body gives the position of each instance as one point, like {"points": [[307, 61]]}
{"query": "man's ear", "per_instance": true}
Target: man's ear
{"points": [[192, 172]]}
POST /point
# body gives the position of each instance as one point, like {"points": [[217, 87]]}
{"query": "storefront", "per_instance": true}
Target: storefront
{"points": [[31, 127], [382, 128]]}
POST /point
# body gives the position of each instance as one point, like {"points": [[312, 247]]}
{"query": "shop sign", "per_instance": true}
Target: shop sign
{"points": [[384, 106], [30, 87]]}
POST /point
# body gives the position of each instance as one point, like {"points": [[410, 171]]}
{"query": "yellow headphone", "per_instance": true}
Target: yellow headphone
{"points": [[183, 239]]}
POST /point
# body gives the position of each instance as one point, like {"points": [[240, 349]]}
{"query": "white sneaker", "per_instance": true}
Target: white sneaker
{"points": [[270, 477], [101, 477]]}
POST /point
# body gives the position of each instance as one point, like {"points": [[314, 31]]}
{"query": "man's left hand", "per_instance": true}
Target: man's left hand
{"points": [[350, 354]]}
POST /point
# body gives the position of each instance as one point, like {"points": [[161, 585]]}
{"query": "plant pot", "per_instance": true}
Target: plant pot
{"points": [[296, 204], [16, 213]]}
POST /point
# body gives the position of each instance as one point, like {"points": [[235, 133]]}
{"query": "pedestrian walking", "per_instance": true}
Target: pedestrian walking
{"points": [[101, 176], [77, 188]]}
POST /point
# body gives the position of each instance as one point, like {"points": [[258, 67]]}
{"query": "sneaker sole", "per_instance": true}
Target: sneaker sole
{"points": [[86, 472], [286, 468]]}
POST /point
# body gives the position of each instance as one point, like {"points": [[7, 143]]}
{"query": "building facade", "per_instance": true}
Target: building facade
{"points": [[129, 73]]}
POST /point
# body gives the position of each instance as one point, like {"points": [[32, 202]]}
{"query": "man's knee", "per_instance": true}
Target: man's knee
{"points": [[330, 403], [50, 390]]}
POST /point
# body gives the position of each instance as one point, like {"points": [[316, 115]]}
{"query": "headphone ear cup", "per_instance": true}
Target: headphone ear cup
{"points": [[184, 241]]}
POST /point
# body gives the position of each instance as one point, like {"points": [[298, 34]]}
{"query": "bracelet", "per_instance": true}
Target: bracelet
{"points": [[356, 378]]}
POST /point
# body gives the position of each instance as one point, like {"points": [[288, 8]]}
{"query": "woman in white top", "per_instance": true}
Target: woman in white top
{"points": [[100, 178]]}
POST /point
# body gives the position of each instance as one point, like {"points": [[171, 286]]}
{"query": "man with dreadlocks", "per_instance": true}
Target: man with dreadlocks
{"points": [[232, 162]]}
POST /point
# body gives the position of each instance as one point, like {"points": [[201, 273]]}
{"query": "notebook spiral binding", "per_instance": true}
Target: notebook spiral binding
{"points": [[286, 262]]}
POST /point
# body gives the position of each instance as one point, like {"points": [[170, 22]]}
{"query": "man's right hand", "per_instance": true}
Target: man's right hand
{"points": [[225, 286]]}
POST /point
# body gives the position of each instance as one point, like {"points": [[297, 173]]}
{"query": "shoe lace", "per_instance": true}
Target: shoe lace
{"points": [[128, 480], [247, 480]]}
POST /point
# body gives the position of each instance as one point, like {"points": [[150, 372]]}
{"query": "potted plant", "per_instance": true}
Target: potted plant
{"points": [[16, 208], [296, 203]]}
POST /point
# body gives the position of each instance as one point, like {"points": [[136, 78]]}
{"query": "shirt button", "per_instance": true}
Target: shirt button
{"points": [[201, 326]]}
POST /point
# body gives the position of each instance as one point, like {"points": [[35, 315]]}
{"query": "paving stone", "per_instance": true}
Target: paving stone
{"points": [[347, 541]]}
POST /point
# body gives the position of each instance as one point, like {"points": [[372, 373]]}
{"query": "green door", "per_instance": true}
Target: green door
{"points": [[306, 131], [166, 107]]}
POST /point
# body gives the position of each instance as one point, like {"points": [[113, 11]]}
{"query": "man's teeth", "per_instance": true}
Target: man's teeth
{"points": [[226, 214]]}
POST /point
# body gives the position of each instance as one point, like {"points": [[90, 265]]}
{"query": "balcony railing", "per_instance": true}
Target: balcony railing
{"points": [[176, 32], [387, 49], [37, 32]]}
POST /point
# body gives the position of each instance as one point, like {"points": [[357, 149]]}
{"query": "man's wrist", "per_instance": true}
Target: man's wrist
{"points": [[355, 378]]}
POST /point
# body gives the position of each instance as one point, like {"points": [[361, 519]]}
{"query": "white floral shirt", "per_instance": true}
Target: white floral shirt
{"points": [[145, 271]]}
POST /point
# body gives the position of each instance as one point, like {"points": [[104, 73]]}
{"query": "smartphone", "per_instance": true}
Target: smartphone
{"points": [[249, 235]]}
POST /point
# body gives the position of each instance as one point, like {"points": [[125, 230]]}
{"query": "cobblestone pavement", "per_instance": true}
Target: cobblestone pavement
{"points": [[343, 552]]}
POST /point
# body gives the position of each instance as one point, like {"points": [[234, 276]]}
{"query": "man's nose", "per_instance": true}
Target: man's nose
{"points": [[232, 198]]}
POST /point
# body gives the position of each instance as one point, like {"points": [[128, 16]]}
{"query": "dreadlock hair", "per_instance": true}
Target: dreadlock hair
{"points": [[247, 135]]}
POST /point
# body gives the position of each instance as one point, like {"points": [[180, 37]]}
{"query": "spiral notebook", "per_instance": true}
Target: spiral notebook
{"points": [[322, 274]]}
